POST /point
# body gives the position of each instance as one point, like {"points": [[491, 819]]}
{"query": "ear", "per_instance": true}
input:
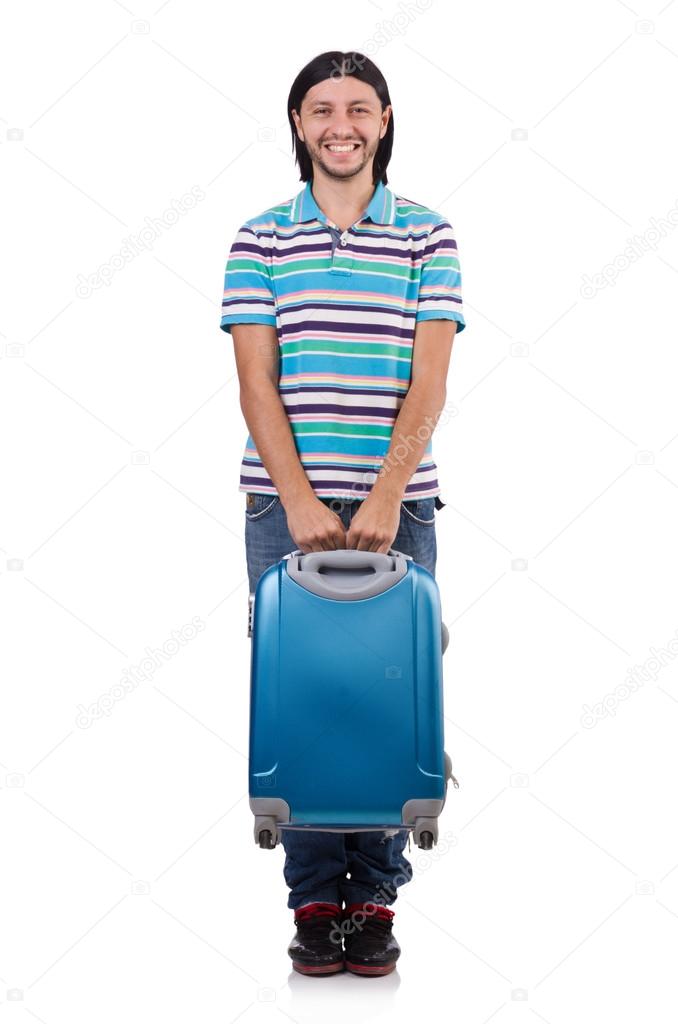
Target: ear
{"points": [[297, 122], [385, 118]]}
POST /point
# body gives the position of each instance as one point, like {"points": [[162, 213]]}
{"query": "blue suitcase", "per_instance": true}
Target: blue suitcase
{"points": [[346, 696]]}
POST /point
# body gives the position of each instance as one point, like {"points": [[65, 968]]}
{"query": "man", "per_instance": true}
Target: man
{"points": [[343, 303]]}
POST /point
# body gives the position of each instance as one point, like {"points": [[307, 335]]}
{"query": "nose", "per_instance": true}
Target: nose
{"points": [[341, 127]]}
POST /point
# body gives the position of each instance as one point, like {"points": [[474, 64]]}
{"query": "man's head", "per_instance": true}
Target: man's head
{"points": [[341, 98]]}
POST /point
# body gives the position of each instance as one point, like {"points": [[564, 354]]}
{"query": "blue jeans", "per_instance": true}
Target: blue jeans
{"points": [[316, 863]]}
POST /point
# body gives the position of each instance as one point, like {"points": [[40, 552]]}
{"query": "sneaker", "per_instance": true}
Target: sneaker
{"points": [[370, 948], [313, 949]]}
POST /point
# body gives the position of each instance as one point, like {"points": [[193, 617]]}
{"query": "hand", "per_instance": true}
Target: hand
{"points": [[375, 524], [315, 527]]}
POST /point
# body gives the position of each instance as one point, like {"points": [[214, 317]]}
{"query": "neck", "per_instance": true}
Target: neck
{"points": [[343, 202]]}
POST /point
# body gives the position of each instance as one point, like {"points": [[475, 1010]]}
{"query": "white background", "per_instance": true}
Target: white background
{"points": [[131, 885]]}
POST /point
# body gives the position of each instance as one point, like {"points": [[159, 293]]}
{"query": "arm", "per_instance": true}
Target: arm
{"points": [[256, 356], [375, 525], [421, 408], [311, 524]]}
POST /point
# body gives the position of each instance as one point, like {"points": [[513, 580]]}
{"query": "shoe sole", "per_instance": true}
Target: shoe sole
{"points": [[370, 970], [318, 968]]}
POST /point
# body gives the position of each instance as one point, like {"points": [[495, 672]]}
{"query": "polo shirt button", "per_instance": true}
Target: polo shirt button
{"points": [[343, 241]]}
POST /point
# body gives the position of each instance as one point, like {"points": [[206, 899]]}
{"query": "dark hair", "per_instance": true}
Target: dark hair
{"points": [[335, 64]]}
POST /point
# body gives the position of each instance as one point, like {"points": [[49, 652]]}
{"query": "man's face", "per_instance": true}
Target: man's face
{"points": [[341, 110]]}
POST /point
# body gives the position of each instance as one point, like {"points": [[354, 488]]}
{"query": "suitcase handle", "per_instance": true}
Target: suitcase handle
{"points": [[347, 574], [391, 551], [349, 558]]}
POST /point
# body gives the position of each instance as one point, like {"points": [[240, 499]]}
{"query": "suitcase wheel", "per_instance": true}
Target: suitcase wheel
{"points": [[266, 839], [426, 841]]}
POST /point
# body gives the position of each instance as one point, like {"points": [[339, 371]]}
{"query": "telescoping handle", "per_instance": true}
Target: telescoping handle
{"points": [[347, 574]]}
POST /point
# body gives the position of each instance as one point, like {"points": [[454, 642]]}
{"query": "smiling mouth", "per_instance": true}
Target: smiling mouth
{"points": [[341, 147]]}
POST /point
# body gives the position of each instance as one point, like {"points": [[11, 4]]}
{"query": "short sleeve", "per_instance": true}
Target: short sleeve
{"points": [[249, 297], [440, 282]]}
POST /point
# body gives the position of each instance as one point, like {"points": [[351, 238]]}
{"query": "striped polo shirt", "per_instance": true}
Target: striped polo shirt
{"points": [[345, 305]]}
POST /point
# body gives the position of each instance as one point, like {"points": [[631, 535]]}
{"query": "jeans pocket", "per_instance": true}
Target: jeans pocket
{"points": [[422, 511], [259, 505]]}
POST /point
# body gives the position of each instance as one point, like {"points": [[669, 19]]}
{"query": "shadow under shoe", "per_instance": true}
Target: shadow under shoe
{"points": [[370, 948], [316, 947]]}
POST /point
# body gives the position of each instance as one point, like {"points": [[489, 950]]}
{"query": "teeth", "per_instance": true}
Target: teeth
{"points": [[343, 149]]}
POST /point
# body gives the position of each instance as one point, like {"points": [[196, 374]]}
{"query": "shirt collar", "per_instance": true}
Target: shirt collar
{"points": [[380, 209]]}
